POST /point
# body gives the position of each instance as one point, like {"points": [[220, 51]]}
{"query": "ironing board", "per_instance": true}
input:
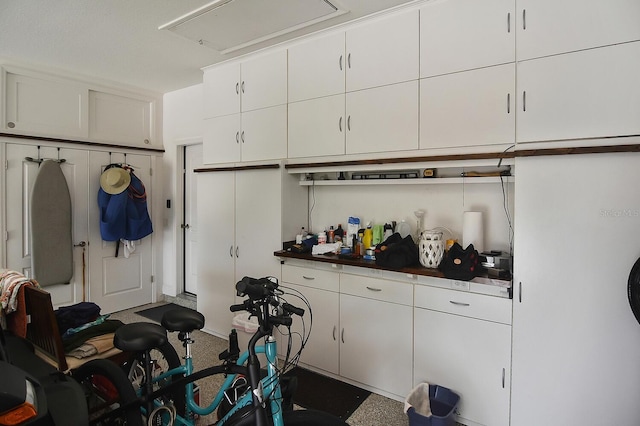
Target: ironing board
{"points": [[51, 243]]}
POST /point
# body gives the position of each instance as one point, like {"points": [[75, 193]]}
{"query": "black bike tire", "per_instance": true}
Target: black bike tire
{"points": [[173, 361], [633, 289], [113, 373], [311, 418]]}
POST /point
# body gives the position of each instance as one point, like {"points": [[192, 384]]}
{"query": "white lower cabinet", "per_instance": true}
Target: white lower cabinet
{"points": [[458, 344]]}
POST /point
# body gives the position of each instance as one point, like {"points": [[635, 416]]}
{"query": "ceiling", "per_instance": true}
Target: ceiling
{"points": [[119, 40]]}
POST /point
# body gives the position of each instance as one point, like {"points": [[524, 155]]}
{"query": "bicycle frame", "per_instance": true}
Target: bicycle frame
{"points": [[270, 388]]}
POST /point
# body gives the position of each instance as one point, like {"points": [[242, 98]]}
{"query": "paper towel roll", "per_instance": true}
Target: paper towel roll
{"points": [[472, 230]]}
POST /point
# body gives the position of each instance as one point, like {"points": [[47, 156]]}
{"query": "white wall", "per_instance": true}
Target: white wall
{"points": [[182, 126]]}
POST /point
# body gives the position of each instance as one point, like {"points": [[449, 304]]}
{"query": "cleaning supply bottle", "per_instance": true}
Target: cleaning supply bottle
{"points": [[367, 238], [338, 234]]}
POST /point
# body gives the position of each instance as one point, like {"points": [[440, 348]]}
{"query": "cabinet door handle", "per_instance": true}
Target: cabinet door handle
{"points": [[242, 87], [342, 335], [334, 332], [242, 136], [237, 88], [340, 62], [308, 278], [524, 100], [237, 251], [349, 60], [349, 123], [458, 303], [373, 289], [519, 291], [503, 377], [340, 124], [509, 22], [524, 19], [508, 103], [238, 137], [231, 251], [11, 124]]}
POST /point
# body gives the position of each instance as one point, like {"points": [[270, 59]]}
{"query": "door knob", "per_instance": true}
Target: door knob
{"points": [[184, 226]]}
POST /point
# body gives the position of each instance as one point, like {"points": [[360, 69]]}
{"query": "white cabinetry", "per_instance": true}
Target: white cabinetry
{"points": [[45, 105], [463, 342], [586, 94], [572, 324], [458, 35], [376, 332], [253, 135], [120, 118], [320, 287], [242, 223], [256, 83], [548, 27], [317, 68], [468, 108], [381, 119], [383, 52]]}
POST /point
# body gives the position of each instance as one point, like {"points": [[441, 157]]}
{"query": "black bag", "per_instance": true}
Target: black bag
{"points": [[460, 264], [397, 252]]}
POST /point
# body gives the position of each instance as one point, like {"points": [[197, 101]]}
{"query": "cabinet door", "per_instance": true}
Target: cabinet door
{"points": [[221, 139], [471, 357], [459, 35], [383, 119], [258, 223], [264, 81], [468, 108], [375, 343], [317, 127], [383, 52], [264, 134], [316, 68], [321, 350], [548, 27], [591, 93], [216, 251], [42, 106], [119, 119], [221, 87]]}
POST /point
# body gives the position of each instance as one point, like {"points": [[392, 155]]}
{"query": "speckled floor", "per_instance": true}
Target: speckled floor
{"points": [[376, 410]]}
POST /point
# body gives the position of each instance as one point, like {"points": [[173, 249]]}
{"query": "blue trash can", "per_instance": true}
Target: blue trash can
{"points": [[440, 410]]}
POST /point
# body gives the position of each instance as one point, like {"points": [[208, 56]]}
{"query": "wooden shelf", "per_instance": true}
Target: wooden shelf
{"points": [[414, 181]]}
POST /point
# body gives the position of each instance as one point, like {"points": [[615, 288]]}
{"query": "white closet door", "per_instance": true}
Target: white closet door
{"points": [[20, 175]]}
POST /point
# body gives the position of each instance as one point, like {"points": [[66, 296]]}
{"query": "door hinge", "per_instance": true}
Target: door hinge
{"points": [[6, 164], [150, 171], [153, 278], [6, 235]]}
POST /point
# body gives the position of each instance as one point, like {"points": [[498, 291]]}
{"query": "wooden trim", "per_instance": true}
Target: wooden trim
{"points": [[601, 149], [236, 168], [78, 142]]}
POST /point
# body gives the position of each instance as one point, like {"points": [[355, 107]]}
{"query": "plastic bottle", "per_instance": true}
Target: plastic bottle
{"points": [[368, 236], [338, 234], [331, 235], [322, 237], [301, 236]]}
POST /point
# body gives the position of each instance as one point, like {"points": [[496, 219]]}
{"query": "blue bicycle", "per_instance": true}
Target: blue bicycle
{"points": [[247, 396]]}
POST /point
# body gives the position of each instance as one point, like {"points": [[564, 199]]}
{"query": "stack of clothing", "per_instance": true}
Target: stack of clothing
{"points": [[84, 331], [12, 301]]}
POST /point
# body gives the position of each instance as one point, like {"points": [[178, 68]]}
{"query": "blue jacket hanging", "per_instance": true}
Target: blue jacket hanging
{"points": [[125, 215]]}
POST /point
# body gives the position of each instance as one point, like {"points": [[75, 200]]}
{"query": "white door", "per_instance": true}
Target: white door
{"points": [[221, 139], [317, 127], [118, 282], [192, 160], [264, 134], [221, 86], [264, 81], [20, 175]]}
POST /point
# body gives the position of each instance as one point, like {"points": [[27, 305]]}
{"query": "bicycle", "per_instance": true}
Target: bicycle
{"points": [[166, 386]]}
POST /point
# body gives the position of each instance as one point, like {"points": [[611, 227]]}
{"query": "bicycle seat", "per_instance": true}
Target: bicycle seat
{"points": [[182, 320], [139, 336]]}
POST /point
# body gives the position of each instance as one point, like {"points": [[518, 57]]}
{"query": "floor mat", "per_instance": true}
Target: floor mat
{"points": [[323, 393], [155, 314]]}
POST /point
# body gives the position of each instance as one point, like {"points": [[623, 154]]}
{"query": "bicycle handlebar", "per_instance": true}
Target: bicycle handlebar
{"points": [[263, 291]]}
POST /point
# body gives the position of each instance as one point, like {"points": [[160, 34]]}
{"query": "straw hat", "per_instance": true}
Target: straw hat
{"points": [[115, 180]]}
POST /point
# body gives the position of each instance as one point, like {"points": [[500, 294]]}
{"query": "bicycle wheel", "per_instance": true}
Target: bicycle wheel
{"points": [[311, 418], [106, 388], [164, 358]]}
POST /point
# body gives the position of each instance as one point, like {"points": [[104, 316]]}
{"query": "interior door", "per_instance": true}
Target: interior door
{"points": [[192, 160], [118, 282], [20, 175]]}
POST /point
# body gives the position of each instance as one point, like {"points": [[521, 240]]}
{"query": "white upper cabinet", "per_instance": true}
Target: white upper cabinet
{"points": [[458, 35], [383, 119], [383, 52], [317, 127], [468, 108], [45, 106], [317, 68], [259, 82], [548, 27], [120, 119], [585, 94]]}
